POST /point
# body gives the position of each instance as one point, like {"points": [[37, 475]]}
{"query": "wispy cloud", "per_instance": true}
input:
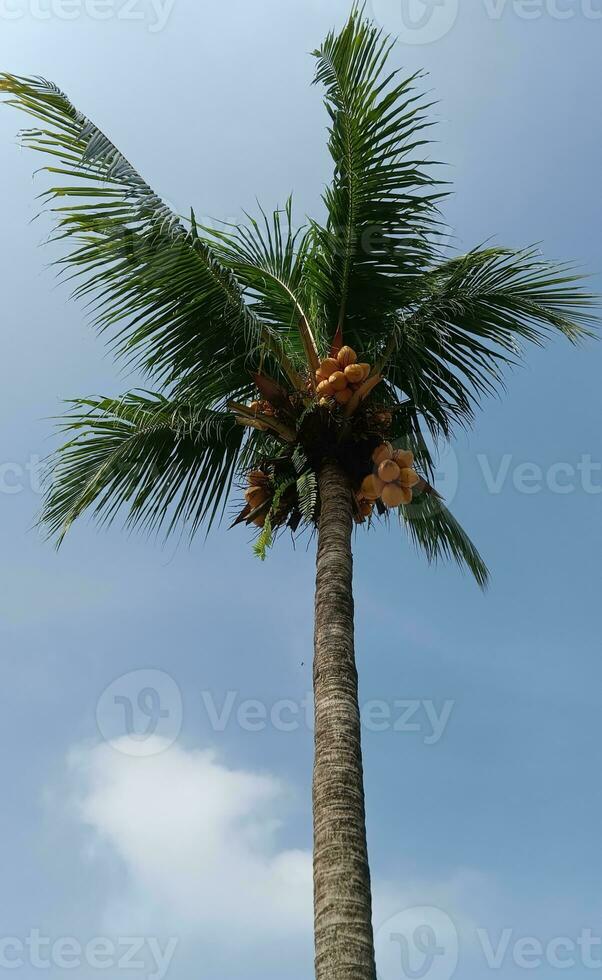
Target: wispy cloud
{"points": [[200, 843]]}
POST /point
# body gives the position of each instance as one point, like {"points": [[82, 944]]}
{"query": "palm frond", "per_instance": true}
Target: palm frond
{"points": [[218, 318], [307, 485], [164, 461], [475, 312], [437, 533], [266, 537], [268, 257], [381, 205], [154, 283]]}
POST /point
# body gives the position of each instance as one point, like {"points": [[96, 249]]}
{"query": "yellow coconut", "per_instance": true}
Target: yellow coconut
{"points": [[321, 376], [388, 471], [346, 356], [366, 368], [343, 396], [382, 452], [328, 366], [393, 495], [404, 458], [408, 477], [371, 487], [354, 373], [255, 496], [337, 381], [324, 389]]}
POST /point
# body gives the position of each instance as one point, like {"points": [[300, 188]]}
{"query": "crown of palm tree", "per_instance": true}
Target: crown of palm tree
{"points": [[247, 314]]}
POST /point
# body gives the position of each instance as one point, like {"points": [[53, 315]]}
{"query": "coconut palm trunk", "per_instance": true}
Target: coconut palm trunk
{"points": [[342, 898]]}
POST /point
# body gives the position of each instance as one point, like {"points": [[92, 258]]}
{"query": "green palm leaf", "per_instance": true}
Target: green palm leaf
{"points": [[437, 533], [231, 324], [382, 203], [475, 313], [270, 262], [164, 461], [154, 283]]}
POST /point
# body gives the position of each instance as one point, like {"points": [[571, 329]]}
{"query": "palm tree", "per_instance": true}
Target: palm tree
{"points": [[317, 368]]}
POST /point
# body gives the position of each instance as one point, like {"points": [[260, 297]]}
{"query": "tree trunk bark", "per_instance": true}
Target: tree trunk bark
{"points": [[342, 898]]}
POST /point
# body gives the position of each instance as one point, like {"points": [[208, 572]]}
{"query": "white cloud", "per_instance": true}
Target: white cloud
{"points": [[199, 842], [200, 845]]}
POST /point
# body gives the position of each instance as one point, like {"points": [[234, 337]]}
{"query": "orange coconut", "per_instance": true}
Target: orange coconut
{"points": [[407, 496], [354, 374], [388, 471], [324, 389], [346, 356], [329, 365], [393, 495], [404, 458], [408, 477], [343, 396], [371, 487], [337, 381], [382, 452], [366, 368]]}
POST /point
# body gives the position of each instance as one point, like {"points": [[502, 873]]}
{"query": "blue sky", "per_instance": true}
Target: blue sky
{"points": [[482, 754]]}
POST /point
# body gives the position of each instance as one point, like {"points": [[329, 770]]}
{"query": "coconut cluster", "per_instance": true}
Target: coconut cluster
{"points": [[338, 377], [392, 480], [257, 493]]}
